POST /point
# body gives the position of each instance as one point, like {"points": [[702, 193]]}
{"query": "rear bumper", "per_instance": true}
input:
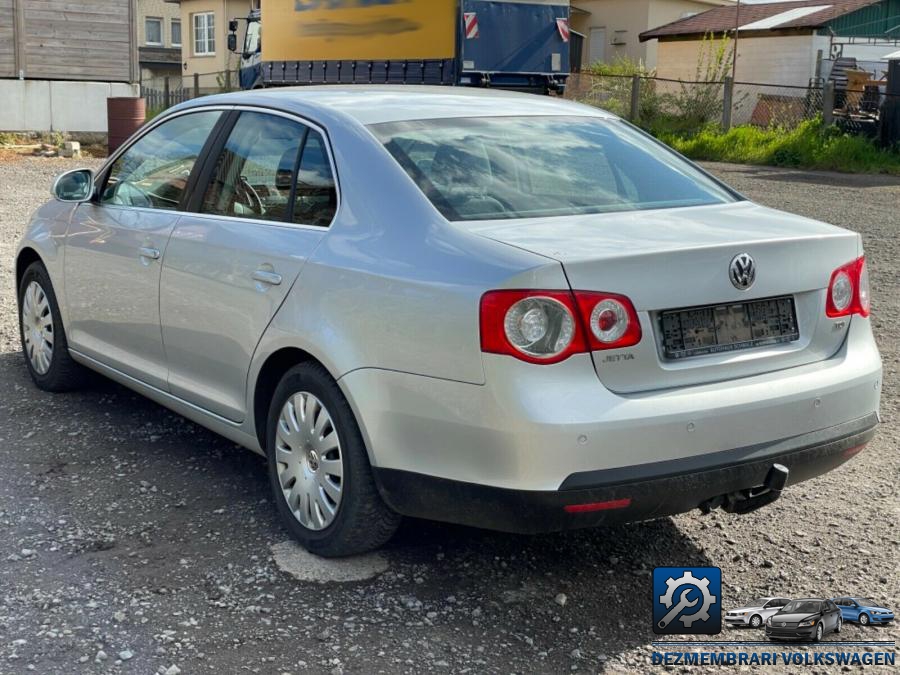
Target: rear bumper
{"points": [[622, 494]]}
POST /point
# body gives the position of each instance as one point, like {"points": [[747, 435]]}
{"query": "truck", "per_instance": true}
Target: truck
{"points": [[515, 44]]}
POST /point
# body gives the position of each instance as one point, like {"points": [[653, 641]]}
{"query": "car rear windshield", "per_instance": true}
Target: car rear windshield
{"points": [[526, 167]]}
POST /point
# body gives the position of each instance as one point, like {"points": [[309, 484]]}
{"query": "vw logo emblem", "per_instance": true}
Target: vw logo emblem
{"points": [[783, 624], [742, 271]]}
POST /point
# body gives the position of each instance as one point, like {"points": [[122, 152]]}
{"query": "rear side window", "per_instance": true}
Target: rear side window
{"points": [[272, 168], [315, 201], [154, 172], [253, 175]]}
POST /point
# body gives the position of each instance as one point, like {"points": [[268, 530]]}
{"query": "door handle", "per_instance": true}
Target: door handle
{"points": [[269, 278], [152, 253]]}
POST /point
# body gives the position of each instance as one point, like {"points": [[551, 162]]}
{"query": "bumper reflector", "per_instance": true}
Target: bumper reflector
{"points": [[598, 506], [849, 452]]}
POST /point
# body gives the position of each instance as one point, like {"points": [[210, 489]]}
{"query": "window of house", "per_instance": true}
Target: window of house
{"points": [[176, 33], [153, 31], [204, 33]]}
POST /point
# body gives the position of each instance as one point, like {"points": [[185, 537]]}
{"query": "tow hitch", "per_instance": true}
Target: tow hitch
{"points": [[750, 499]]}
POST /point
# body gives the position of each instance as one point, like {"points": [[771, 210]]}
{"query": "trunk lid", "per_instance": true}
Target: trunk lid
{"points": [[680, 258]]}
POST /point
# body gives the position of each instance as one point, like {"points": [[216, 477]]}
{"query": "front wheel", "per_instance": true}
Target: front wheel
{"points": [[319, 469], [820, 631], [864, 619], [756, 621], [43, 336]]}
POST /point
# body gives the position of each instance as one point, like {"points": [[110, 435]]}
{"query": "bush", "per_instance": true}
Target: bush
{"points": [[808, 146]]}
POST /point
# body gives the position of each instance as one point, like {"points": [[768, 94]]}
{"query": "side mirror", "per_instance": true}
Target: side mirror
{"points": [[232, 42], [74, 186], [232, 26]]}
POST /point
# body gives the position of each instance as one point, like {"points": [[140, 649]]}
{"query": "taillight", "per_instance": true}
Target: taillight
{"points": [[611, 320], [549, 326], [848, 290]]}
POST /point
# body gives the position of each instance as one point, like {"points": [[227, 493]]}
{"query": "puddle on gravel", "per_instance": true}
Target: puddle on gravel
{"points": [[304, 566]]}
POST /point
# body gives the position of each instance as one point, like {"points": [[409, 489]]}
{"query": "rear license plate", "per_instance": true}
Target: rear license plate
{"points": [[724, 328]]}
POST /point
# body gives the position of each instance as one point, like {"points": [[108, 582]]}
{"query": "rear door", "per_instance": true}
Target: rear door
{"points": [[266, 198], [504, 36]]}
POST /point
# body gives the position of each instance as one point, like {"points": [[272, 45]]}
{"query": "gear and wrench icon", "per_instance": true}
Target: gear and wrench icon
{"points": [[701, 584]]}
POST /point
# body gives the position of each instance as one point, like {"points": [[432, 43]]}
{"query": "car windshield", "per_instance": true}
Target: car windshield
{"points": [[801, 607], [526, 167], [759, 602], [865, 602]]}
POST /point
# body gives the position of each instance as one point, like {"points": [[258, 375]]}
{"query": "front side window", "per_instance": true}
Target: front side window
{"points": [[254, 173], [251, 42], [153, 173], [153, 31], [204, 34], [176, 33], [528, 167]]}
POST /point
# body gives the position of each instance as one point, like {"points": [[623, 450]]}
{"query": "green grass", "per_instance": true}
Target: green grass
{"points": [[808, 146]]}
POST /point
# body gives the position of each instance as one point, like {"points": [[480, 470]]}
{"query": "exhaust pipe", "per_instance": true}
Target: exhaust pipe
{"points": [[750, 499]]}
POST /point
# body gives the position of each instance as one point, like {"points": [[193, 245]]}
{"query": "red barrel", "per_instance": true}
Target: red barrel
{"points": [[124, 116]]}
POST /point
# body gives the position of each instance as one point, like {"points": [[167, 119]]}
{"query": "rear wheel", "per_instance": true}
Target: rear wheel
{"points": [[840, 624], [319, 469], [43, 336]]}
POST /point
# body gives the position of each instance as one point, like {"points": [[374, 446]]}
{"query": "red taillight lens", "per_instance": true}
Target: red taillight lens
{"points": [[612, 322], [535, 326], [549, 326], [848, 290]]}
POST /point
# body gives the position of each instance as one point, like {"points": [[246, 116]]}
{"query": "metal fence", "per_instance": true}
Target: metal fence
{"points": [[683, 106], [164, 92]]}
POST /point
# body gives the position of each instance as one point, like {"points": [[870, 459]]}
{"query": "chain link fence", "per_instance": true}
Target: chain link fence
{"points": [[678, 105]]}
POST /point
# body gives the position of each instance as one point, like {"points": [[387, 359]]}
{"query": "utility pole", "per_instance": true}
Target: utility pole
{"points": [[737, 29]]}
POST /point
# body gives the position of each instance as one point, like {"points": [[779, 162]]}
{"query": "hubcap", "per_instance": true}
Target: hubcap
{"points": [[37, 328], [308, 458]]}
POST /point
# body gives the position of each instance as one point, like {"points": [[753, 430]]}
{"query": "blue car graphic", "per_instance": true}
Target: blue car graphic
{"points": [[863, 610]]}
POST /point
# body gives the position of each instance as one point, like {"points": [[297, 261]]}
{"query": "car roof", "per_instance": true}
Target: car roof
{"points": [[375, 104]]}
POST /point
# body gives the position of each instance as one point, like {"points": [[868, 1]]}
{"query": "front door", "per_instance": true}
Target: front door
{"points": [[265, 200], [115, 245]]}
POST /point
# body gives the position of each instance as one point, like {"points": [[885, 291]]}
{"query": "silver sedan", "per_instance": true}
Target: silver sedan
{"points": [[502, 310]]}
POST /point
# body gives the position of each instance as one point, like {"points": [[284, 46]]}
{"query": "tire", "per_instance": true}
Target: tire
{"points": [[820, 632], [755, 621], [40, 323], [324, 479], [864, 619], [840, 624]]}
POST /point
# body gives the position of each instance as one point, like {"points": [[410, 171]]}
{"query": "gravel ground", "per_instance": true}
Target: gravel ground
{"points": [[132, 540]]}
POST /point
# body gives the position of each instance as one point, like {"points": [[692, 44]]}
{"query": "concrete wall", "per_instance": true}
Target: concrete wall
{"points": [[43, 105]]}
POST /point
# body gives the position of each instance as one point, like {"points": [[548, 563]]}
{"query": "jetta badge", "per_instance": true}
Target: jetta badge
{"points": [[742, 271]]}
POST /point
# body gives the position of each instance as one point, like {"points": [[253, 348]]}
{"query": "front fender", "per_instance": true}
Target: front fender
{"points": [[46, 236]]}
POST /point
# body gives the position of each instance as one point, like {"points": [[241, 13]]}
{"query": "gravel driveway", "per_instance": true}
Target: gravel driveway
{"points": [[132, 540]]}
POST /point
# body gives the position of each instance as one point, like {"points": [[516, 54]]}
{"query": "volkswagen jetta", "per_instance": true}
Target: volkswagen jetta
{"points": [[508, 311]]}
